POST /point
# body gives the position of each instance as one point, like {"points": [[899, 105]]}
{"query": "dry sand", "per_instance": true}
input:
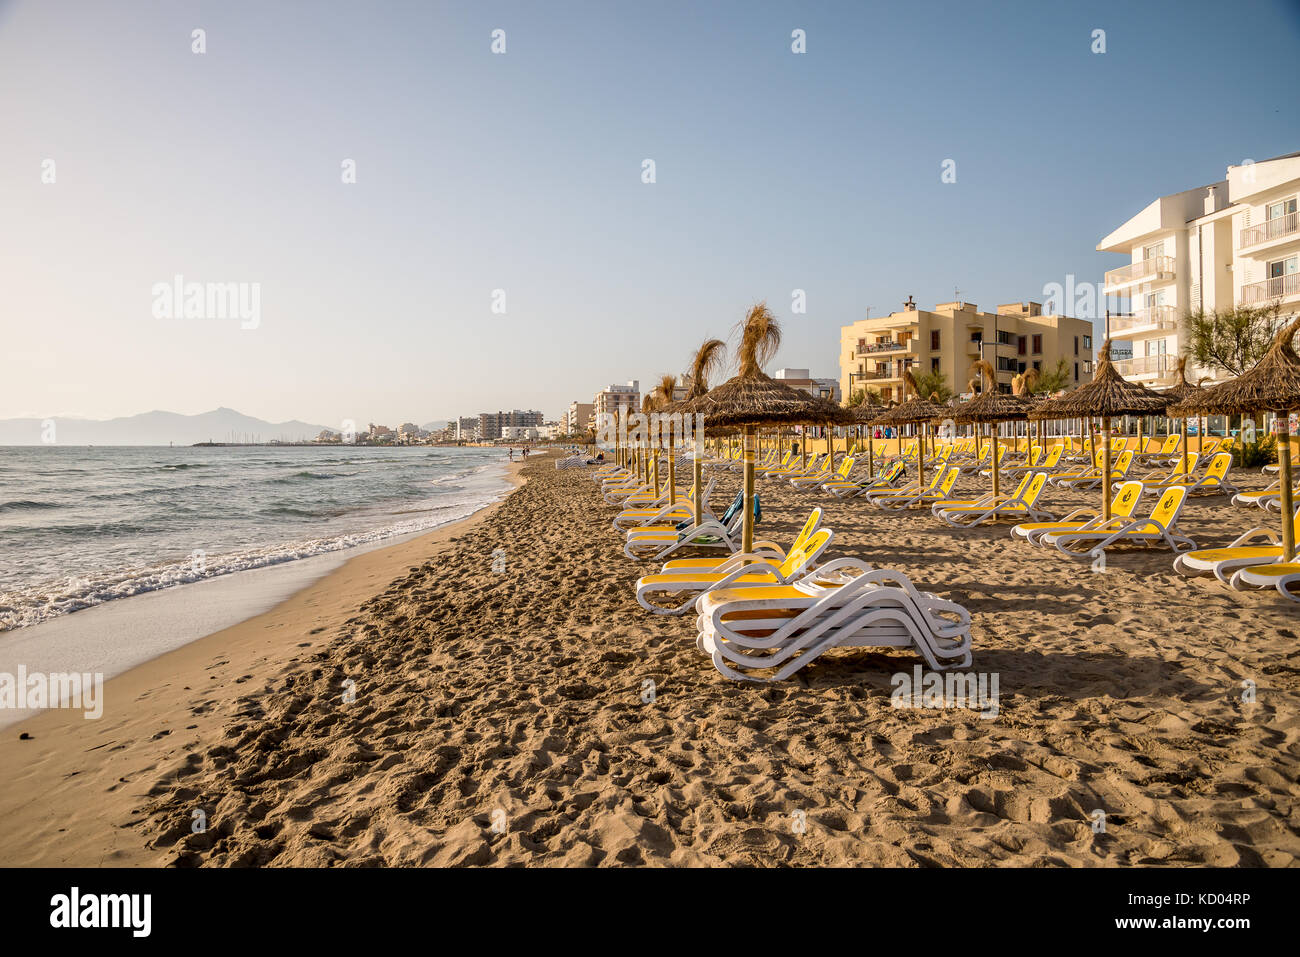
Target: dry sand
{"points": [[512, 702]]}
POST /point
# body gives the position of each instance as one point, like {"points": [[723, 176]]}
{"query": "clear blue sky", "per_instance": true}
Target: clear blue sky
{"points": [[522, 171]]}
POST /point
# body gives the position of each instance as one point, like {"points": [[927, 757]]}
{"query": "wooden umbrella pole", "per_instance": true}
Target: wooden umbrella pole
{"points": [[747, 536], [871, 453], [1183, 443], [1284, 470], [697, 468], [803, 448], [993, 456], [672, 472], [1105, 468], [920, 461]]}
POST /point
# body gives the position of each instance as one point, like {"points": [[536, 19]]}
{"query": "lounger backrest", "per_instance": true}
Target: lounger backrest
{"points": [[1126, 500], [846, 466], [1192, 460], [1121, 466], [800, 558], [1054, 456], [1036, 486], [1024, 480], [736, 505], [1219, 466], [1171, 445], [949, 480], [809, 527], [1170, 504]]}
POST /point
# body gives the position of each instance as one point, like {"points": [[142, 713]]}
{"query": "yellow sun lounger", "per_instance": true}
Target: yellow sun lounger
{"points": [[768, 632], [1160, 528], [763, 551], [1223, 562], [1085, 519], [693, 583], [940, 489], [1020, 505], [1284, 576]]}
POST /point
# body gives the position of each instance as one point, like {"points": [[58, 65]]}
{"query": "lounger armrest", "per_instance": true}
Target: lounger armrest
{"points": [[1267, 534]]}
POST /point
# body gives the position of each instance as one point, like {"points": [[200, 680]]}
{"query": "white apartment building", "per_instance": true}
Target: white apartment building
{"points": [[1232, 242], [616, 398]]}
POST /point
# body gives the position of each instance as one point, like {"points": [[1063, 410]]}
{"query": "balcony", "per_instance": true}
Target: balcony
{"points": [[1269, 230], [1153, 319], [1279, 287], [1155, 269], [1147, 366], [873, 348]]}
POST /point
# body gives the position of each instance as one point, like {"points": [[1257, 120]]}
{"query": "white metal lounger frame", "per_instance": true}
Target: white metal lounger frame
{"points": [[879, 608]]}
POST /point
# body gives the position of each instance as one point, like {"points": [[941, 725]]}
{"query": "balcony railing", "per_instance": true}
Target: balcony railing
{"points": [[1154, 317], [873, 374], [1145, 269], [1287, 225], [870, 347], [1279, 287], [1147, 365]]}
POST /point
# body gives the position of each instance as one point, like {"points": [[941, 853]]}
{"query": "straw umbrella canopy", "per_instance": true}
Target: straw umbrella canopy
{"points": [[992, 407], [1180, 392], [1108, 395], [1273, 385], [913, 411], [708, 359], [751, 399]]}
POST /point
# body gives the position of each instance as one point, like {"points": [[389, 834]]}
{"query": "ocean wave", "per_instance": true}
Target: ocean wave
{"points": [[31, 605], [24, 505]]}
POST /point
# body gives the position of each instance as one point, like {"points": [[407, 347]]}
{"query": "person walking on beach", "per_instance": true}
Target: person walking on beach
{"points": [[512, 455]]}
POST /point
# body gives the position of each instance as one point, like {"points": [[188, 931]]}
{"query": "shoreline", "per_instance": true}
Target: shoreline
{"points": [[67, 799]]}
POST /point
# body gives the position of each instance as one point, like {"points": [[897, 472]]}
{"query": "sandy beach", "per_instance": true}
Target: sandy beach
{"points": [[419, 707]]}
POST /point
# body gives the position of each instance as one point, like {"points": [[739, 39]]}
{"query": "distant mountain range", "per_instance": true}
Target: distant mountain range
{"points": [[155, 428]]}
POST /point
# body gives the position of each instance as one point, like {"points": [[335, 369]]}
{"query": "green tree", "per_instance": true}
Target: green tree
{"points": [[932, 383], [1230, 340], [859, 396], [1053, 380]]}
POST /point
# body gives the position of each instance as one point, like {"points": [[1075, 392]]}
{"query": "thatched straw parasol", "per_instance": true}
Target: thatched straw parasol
{"points": [[992, 407], [1108, 395], [913, 411], [1272, 386], [708, 359], [1180, 392], [751, 398]]}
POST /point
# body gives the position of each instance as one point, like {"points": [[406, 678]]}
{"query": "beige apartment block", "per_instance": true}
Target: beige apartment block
{"points": [[874, 353]]}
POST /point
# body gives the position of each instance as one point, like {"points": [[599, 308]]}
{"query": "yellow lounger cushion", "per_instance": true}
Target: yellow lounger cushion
{"points": [[705, 578]]}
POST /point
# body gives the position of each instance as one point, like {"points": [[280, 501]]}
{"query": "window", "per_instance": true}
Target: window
{"points": [[1076, 345], [1087, 344], [1076, 372], [1020, 367], [1005, 338], [1038, 365], [1278, 210], [1283, 267], [1021, 345], [1154, 250], [934, 338], [934, 364], [1087, 366], [1038, 344]]}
